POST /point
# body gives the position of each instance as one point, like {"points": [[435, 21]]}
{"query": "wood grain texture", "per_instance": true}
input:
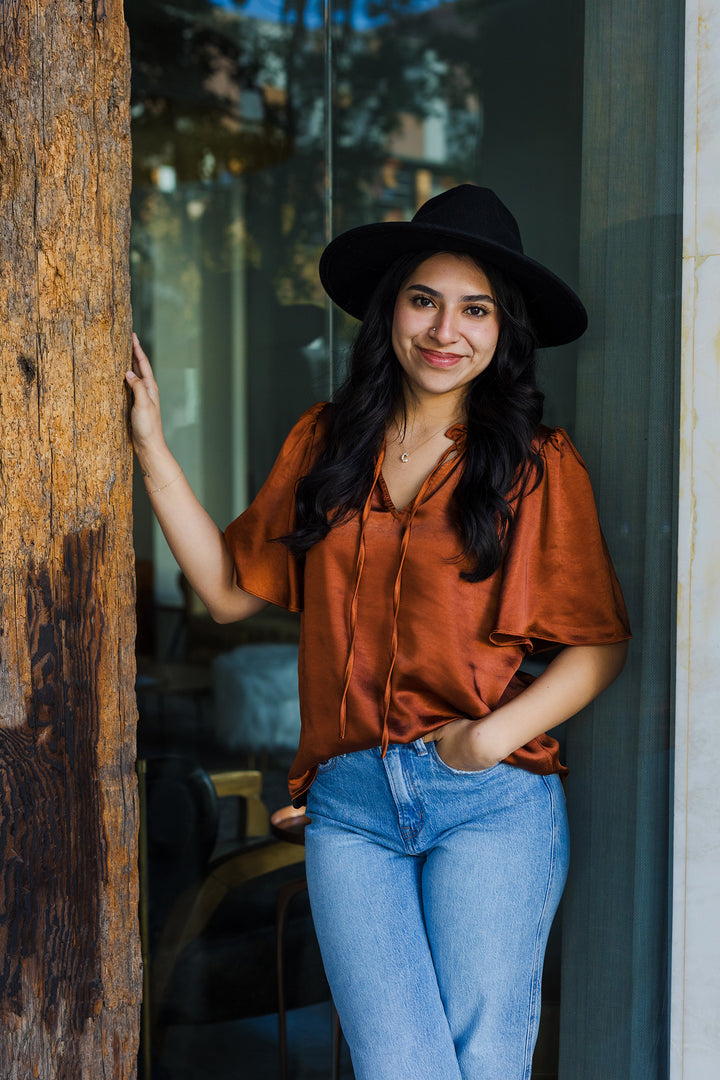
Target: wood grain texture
{"points": [[69, 956]]}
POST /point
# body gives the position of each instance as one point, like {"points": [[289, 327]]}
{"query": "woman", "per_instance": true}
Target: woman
{"points": [[433, 534]]}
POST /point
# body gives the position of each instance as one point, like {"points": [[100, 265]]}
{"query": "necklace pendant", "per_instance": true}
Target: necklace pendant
{"points": [[404, 457]]}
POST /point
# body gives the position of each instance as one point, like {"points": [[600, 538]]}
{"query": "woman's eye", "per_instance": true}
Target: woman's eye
{"points": [[422, 301], [476, 311]]}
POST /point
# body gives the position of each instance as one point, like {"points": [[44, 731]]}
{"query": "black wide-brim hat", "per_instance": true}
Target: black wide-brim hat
{"points": [[468, 220]]}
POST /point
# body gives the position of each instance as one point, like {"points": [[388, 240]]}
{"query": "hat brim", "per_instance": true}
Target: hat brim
{"points": [[352, 265]]}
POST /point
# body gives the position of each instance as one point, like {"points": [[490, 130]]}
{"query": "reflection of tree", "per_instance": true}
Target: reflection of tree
{"points": [[218, 92], [196, 77], [412, 63]]}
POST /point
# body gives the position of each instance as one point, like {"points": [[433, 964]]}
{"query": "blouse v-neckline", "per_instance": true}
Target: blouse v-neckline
{"points": [[451, 455]]}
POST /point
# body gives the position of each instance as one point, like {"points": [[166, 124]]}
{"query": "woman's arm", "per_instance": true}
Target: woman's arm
{"points": [[195, 540], [570, 682]]}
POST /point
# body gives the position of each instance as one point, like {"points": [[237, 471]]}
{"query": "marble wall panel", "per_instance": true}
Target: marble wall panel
{"points": [[695, 990], [704, 141]]}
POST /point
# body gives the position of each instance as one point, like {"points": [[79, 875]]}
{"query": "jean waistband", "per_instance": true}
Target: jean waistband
{"points": [[419, 746]]}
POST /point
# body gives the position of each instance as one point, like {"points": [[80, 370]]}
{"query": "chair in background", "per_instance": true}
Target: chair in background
{"points": [[210, 918]]}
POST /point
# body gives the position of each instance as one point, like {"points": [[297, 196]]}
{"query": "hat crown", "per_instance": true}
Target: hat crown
{"points": [[475, 211]]}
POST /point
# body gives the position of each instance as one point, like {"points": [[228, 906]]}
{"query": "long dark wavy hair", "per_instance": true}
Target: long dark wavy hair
{"points": [[503, 407]]}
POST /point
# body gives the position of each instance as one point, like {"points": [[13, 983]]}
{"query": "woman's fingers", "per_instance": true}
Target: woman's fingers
{"points": [[140, 360], [140, 364], [141, 391], [145, 413], [140, 377]]}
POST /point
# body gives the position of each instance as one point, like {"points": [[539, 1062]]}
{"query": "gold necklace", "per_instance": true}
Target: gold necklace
{"points": [[405, 456]]}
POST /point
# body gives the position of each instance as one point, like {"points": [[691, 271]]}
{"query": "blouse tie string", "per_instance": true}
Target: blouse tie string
{"points": [[359, 564], [404, 543]]}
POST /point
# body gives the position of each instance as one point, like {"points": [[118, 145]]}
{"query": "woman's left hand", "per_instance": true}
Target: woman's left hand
{"points": [[467, 745]]}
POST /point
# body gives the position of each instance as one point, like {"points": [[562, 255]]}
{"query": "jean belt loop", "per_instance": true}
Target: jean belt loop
{"points": [[420, 747]]}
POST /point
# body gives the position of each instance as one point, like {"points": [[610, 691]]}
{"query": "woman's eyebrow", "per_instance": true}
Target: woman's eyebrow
{"points": [[463, 299]]}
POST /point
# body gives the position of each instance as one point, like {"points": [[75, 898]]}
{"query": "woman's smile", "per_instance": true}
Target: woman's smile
{"points": [[440, 359]]}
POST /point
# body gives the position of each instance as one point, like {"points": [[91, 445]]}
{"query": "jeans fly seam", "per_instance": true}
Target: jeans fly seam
{"points": [[414, 832], [407, 832]]}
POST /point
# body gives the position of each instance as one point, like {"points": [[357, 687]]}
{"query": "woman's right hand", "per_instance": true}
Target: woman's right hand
{"points": [[145, 418]]}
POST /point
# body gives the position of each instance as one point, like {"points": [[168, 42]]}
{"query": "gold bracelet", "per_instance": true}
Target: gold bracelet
{"points": [[162, 487]]}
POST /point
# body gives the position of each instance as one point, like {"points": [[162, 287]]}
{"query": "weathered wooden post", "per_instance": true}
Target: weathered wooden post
{"points": [[69, 955]]}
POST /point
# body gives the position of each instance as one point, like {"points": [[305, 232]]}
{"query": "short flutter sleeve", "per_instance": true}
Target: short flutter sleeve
{"points": [[265, 567], [558, 583]]}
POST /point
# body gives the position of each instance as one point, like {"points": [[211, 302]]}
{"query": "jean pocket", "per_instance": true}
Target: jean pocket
{"points": [[432, 747]]}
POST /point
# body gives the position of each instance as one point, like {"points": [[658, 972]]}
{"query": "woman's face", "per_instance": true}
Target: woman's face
{"points": [[445, 326]]}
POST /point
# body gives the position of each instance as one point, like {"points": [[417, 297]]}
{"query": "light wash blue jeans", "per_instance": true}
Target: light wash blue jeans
{"points": [[432, 892]]}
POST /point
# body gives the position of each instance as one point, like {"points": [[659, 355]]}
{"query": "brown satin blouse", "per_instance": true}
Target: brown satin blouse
{"points": [[394, 643]]}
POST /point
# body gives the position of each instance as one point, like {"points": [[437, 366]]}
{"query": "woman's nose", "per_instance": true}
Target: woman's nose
{"points": [[445, 327]]}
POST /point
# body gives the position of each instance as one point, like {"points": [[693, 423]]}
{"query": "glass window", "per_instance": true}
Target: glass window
{"points": [[260, 130]]}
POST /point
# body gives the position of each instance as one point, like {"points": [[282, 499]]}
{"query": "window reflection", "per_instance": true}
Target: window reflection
{"points": [[259, 129]]}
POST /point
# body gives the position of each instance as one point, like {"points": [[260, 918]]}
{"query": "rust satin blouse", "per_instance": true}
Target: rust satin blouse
{"points": [[394, 643]]}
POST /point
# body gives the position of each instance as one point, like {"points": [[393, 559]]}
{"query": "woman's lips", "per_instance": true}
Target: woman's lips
{"points": [[440, 359]]}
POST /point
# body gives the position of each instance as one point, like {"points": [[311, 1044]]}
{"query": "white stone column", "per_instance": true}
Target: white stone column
{"points": [[695, 997]]}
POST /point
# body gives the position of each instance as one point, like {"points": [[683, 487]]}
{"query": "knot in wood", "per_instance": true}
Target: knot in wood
{"points": [[28, 369]]}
